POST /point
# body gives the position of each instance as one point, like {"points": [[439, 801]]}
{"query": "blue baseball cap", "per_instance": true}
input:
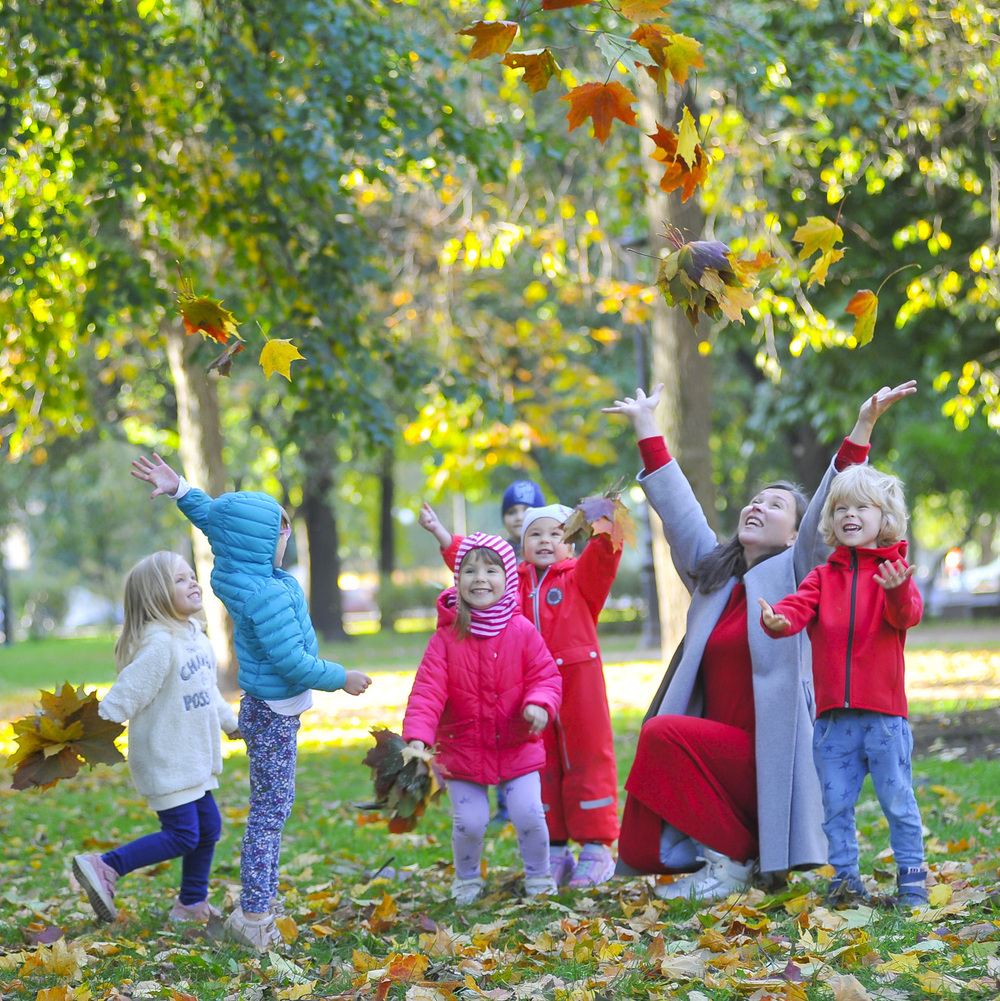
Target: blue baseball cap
{"points": [[522, 492]]}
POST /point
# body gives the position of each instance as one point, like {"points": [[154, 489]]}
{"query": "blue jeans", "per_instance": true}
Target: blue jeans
{"points": [[188, 832], [847, 745], [272, 751]]}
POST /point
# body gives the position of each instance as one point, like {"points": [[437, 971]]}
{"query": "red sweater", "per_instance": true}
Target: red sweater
{"points": [[857, 629]]}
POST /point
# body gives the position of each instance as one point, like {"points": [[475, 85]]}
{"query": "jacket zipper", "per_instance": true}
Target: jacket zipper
{"points": [[850, 630], [536, 591], [559, 732]]}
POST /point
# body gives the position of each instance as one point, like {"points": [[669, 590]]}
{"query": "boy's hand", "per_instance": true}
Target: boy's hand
{"points": [[775, 622], [876, 405], [537, 717], [234, 735], [356, 682], [428, 520], [157, 472], [890, 575]]}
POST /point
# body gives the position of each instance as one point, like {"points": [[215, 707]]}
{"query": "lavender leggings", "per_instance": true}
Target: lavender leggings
{"points": [[470, 808]]}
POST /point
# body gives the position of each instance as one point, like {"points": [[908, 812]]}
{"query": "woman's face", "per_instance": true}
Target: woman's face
{"points": [[767, 524]]}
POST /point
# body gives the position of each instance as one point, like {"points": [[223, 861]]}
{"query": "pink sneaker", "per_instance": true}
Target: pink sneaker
{"points": [[98, 880], [595, 866], [200, 913], [562, 864]]}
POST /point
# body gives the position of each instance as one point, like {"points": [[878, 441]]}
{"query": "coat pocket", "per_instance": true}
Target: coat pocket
{"points": [[515, 731]]}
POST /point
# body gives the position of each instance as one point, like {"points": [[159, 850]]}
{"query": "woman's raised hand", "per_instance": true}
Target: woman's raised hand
{"points": [[157, 472], [639, 410], [876, 405]]}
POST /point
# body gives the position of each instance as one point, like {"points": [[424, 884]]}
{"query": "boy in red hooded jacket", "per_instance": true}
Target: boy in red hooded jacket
{"points": [[857, 608]]}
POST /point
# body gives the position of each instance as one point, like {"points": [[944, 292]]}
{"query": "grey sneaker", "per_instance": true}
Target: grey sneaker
{"points": [[98, 880], [200, 913], [719, 877], [911, 887], [261, 934], [539, 886]]}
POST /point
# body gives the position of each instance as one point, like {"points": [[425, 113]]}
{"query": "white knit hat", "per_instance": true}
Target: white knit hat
{"points": [[557, 511]]}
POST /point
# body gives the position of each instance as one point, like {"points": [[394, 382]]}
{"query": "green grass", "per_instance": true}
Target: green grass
{"points": [[617, 942]]}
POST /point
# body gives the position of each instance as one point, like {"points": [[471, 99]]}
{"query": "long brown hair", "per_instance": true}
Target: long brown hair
{"points": [[728, 560], [149, 597]]}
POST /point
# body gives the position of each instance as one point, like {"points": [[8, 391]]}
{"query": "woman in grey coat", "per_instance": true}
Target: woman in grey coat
{"points": [[723, 779]]}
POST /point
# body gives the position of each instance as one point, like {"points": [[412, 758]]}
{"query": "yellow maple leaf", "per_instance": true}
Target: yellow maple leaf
{"points": [[277, 356], [490, 37], [863, 306], [687, 138], [817, 273], [817, 233], [539, 67], [642, 10]]}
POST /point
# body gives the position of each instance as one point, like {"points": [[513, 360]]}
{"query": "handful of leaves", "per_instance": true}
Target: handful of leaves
{"points": [[606, 515], [405, 780], [62, 734]]}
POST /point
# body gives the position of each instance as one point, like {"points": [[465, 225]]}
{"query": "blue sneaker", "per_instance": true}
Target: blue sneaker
{"points": [[846, 890]]}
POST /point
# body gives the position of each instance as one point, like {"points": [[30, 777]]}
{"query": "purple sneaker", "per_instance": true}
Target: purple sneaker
{"points": [[98, 880], [595, 866], [562, 864]]}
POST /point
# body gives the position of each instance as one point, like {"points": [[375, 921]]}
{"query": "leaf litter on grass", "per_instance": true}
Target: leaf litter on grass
{"points": [[352, 933]]}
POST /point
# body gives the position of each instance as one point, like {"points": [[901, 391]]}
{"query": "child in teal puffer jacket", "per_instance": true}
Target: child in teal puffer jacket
{"points": [[278, 667]]}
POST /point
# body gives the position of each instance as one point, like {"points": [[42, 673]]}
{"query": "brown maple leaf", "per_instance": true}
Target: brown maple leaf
{"points": [[601, 515], [686, 164], [491, 37], [539, 67], [602, 102]]}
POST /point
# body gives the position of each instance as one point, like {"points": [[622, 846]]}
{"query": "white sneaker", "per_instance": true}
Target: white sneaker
{"points": [[261, 934], [719, 877], [539, 886], [465, 891]]}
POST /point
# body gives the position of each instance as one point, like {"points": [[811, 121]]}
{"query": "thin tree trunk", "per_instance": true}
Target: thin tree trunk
{"points": [[387, 537], [325, 605], [200, 449], [685, 414]]}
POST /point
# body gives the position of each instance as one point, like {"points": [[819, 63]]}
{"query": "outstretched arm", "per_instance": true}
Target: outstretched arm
{"points": [[157, 472], [639, 410], [873, 408], [775, 622]]}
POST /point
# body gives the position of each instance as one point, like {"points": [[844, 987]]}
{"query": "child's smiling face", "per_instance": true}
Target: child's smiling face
{"points": [[857, 523], [481, 582], [543, 543]]}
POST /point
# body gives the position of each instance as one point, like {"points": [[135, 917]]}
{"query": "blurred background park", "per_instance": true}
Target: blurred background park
{"points": [[468, 281]]}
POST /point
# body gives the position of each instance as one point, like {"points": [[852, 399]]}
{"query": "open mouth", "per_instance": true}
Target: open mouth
{"points": [[753, 522]]}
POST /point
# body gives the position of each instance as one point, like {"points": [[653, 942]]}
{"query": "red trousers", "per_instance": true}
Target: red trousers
{"points": [[580, 779]]}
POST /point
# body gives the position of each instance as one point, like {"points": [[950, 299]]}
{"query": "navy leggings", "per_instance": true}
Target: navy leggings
{"points": [[188, 832]]}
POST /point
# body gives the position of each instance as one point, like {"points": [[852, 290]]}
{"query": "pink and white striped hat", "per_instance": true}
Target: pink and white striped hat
{"points": [[492, 620]]}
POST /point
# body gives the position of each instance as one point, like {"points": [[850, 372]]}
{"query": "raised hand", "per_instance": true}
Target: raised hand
{"points": [[157, 472], [890, 575], [774, 621], [428, 520], [876, 405], [639, 410]]}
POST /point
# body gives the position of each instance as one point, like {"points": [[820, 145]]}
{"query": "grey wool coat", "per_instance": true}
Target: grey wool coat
{"points": [[790, 808]]}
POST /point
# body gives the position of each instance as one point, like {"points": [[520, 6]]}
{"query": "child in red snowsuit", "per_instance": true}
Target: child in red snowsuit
{"points": [[563, 596]]}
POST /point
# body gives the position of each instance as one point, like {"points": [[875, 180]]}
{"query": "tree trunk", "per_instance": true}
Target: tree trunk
{"points": [[325, 605], [387, 539], [200, 449], [685, 413]]}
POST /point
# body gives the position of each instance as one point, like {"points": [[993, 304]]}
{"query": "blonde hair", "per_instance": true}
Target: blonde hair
{"points": [[865, 484], [463, 619], [149, 597]]}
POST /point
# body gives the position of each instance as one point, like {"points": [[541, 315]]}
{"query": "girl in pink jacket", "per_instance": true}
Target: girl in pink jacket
{"points": [[484, 692]]}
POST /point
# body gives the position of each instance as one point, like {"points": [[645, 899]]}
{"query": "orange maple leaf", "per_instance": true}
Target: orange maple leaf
{"points": [[490, 37], [673, 53], [864, 307], [601, 102], [539, 67], [642, 10], [679, 171]]}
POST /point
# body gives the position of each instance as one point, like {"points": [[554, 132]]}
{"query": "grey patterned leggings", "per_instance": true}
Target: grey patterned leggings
{"points": [[272, 751]]}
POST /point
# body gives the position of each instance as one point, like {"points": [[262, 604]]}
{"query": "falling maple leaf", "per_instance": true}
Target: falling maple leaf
{"points": [[62, 734], [405, 779], [562, 4], [817, 233], [642, 10], [491, 37], [674, 54], [864, 307], [602, 102], [601, 515], [817, 273], [686, 162], [277, 356], [539, 67], [224, 363]]}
